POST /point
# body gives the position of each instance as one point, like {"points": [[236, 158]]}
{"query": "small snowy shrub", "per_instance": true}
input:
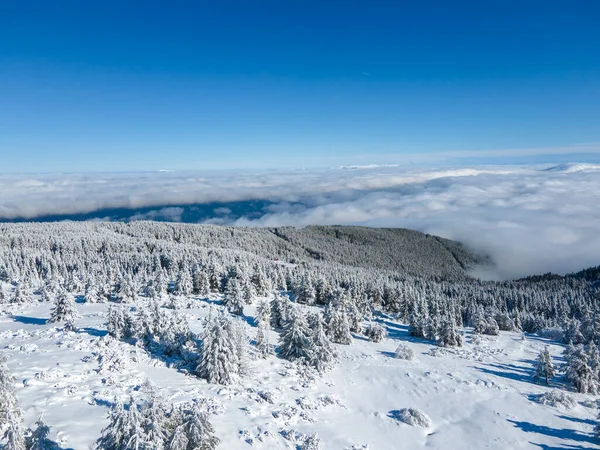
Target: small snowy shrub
{"points": [[375, 332], [404, 352], [411, 416], [556, 398], [312, 442]]}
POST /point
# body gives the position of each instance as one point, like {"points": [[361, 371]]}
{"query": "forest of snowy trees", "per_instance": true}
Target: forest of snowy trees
{"points": [[147, 272]]}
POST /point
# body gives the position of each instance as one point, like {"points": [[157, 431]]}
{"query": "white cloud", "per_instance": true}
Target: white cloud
{"points": [[530, 219]]}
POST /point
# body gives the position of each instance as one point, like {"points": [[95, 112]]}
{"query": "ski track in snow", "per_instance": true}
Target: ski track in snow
{"points": [[477, 396]]}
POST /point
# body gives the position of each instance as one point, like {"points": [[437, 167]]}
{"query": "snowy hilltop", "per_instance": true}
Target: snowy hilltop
{"points": [[166, 336]]}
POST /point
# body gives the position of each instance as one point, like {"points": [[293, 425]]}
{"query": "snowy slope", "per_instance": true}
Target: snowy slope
{"points": [[478, 396]]}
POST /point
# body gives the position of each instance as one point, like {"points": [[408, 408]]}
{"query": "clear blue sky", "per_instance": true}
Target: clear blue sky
{"points": [[149, 85]]}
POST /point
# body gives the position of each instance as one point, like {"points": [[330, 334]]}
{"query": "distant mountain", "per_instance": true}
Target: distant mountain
{"points": [[402, 251]]}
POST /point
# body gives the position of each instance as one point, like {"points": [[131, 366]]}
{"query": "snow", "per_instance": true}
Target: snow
{"points": [[479, 396]]}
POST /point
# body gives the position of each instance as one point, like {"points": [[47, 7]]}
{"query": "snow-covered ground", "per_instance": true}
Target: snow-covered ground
{"points": [[478, 396]]}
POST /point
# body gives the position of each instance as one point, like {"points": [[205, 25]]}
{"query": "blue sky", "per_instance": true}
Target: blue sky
{"points": [[88, 86]]}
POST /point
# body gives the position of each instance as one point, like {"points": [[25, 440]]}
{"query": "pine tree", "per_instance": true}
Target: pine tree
{"points": [[38, 439], [116, 322], [449, 335], [21, 294], [179, 440], [479, 325], [124, 431], [338, 328], [64, 309], [279, 311], [263, 321], [201, 283], [594, 358], [183, 284], [323, 356], [199, 431], [11, 421], [233, 298], [92, 294], [295, 342], [578, 371], [544, 369], [219, 356]]}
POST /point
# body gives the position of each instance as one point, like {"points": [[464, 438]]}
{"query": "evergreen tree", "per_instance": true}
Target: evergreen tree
{"points": [[219, 356], [199, 431], [279, 311], [116, 322], [323, 356], [338, 328], [544, 369], [183, 284], [449, 335], [579, 372], [233, 299], [92, 294], [295, 342], [38, 439], [11, 421], [479, 325], [201, 283], [21, 294], [64, 309]]}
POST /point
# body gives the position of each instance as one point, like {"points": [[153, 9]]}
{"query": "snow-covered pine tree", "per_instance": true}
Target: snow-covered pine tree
{"points": [[64, 309], [280, 306], [295, 343], [21, 294], [479, 323], [199, 431], [124, 430], [179, 440], [594, 358], [11, 418], [449, 335], [544, 369], [92, 294], [201, 282], [183, 284], [233, 298], [323, 355], [219, 356], [260, 282], [572, 332], [338, 328], [263, 321], [38, 439], [305, 293], [116, 322], [578, 371], [263, 346]]}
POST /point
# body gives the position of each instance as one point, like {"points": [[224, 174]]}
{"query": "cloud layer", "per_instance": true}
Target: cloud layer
{"points": [[529, 219]]}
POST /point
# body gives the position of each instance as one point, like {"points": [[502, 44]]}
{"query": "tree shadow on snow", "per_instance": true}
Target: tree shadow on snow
{"points": [[510, 371], [92, 331], [400, 332], [560, 433], [564, 447], [578, 420], [29, 320]]}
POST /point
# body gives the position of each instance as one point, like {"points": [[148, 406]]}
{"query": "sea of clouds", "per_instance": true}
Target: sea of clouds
{"points": [[529, 219]]}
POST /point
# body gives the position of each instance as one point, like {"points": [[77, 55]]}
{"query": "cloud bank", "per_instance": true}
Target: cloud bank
{"points": [[530, 219]]}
